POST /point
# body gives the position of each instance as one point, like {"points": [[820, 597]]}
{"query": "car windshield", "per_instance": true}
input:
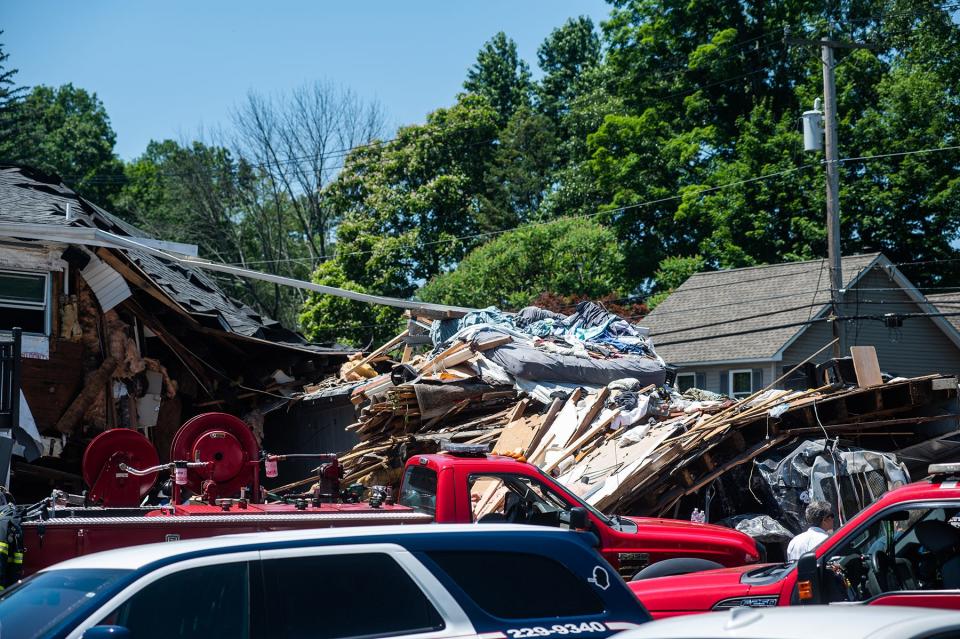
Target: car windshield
{"points": [[41, 602]]}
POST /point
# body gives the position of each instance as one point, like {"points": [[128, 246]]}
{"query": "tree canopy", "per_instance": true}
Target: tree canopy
{"points": [[664, 142], [66, 131], [564, 257]]}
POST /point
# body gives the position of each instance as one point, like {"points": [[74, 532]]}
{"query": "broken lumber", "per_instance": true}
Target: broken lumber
{"points": [[95, 384], [380, 351]]}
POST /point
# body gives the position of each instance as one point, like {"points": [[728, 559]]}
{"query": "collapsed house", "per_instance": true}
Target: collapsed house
{"points": [[124, 338], [587, 399]]}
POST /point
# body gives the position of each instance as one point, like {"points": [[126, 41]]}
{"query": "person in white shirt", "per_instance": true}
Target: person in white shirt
{"points": [[819, 515]]}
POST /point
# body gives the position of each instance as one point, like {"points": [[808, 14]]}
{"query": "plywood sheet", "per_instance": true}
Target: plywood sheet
{"points": [[866, 366]]}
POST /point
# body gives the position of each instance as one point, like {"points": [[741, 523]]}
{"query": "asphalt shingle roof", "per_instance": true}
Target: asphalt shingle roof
{"points": [[29, 196], [947, 303], [736, 294]]}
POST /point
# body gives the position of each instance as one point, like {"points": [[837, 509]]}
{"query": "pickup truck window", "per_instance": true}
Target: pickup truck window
{"points": [[336, 596], [515, 499], [596, 513], [420, 490], [896, 551], [513, 585]]}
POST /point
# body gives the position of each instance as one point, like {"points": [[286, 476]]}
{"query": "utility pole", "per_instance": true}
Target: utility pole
{"points": [[833, 191], [831, 160]]}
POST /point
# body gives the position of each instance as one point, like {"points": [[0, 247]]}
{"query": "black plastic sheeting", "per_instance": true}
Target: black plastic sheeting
{"points": [[528, 362], [846, 477]]}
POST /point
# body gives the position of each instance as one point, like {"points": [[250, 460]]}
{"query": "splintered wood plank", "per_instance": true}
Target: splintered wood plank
{"points": [[396, 341], [516, 436], [492, 343], [559, 431], [590, 415], [866, 366], [518, 410], [583, 439], [545, 425]]}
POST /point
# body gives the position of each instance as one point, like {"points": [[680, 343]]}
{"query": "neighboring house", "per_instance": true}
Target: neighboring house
{"points": [[125, 338], [736, 331]]}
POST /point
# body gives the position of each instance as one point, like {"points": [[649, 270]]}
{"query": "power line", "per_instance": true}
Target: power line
{"points": [[738, 319], [628, 207], [611, 211], [766, 329]]}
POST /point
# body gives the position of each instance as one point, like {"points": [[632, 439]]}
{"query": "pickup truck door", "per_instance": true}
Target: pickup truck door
{"points": [[890, 558], [949, 599]]}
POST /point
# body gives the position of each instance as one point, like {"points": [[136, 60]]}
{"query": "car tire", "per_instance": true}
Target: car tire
{"points": [[677, 566]]}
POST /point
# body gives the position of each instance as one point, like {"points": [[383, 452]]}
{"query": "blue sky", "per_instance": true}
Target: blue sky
{"points": [[170, 69]]}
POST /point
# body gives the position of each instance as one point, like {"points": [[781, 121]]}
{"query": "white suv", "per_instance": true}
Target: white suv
{"points": [[492, 582]]}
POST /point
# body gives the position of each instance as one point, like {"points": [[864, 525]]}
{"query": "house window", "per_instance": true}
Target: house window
{"points": [[686, 381], [741, 383], [24, 301]]}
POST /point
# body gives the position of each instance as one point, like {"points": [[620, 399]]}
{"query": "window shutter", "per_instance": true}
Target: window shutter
{"points": [[757, 379], [725, 382], [701, 380]]}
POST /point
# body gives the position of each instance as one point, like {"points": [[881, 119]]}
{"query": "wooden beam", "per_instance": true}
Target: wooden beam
{"points": [[517, 411], [94, 385], [545, 425], [396, 341]]}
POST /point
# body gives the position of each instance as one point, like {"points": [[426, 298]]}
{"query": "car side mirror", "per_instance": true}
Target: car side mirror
{"points": [[808, 579], [107, 632], [575, 518]]}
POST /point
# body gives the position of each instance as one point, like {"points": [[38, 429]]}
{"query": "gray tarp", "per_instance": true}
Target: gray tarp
{"points": [[528, 362]]}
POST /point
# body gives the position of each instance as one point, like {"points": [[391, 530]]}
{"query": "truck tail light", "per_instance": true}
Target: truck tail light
{"points": [[805, 590]]}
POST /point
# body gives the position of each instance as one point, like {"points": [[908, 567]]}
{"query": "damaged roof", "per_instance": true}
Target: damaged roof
{"points": [[29, 196]]}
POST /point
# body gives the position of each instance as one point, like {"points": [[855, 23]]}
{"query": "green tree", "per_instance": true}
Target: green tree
{"points": [[409, 208], [326, 318], [711, 97], [572, 256], [10, 95], [66, 131], [501, 76], [671, 273], [520, 172], [566, 57]]}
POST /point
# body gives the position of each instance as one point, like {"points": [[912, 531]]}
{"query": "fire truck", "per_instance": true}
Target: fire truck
{"points": [[217, 459]]}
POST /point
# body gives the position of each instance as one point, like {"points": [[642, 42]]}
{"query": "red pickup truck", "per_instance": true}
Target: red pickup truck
{"points": [[904, 549], [445, 488], [452, 488]]}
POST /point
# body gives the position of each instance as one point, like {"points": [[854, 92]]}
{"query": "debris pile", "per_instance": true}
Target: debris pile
{"points": [[586, 398]]}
